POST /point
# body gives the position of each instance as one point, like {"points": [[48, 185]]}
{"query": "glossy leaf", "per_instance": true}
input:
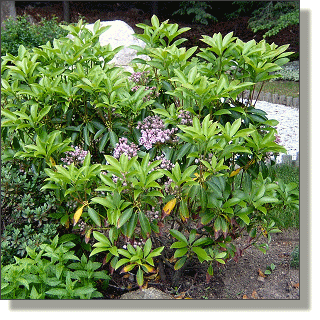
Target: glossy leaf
{"points": [[169, 207], [78, 214]]}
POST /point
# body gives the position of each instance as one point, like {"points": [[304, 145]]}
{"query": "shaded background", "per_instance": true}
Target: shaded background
{"points": [[133, 12]]}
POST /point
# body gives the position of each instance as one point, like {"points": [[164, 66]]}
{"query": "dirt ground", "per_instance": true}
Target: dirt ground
{"points": [[235, 280], [244, 279]]}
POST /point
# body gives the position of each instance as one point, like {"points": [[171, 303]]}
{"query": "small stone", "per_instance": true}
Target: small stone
{"points": [[268, 97], [146, 294], [261, 279], [282, 100], [296, 103], [275, 98]]}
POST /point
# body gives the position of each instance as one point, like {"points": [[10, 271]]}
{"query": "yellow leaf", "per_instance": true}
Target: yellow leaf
{"points": [[149, 268], [252, 161], [197, 176], [78, 213], [181, 296], [235, 172], [127, 268], [261, 274], [67, 223], [154, 276], [52, 161], [87, 236], [169, 207], [296, 285], [254, 295]]}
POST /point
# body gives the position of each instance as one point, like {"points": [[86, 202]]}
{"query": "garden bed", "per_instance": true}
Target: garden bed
{"points": [[244, 279], [159, 202]]}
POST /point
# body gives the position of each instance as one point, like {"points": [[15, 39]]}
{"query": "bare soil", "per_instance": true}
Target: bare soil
{"points": [[235, 280], [242, 279]]}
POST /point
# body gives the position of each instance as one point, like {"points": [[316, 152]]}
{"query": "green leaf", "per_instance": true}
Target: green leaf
{"points": [[179, 236], [192, 74], [184, 211], [131, 225], [101, 238], [179, 264], [202, 241], [201, 253], [113, 138], [125, 216], [235, 127], [144, 223], [94, 215], [57, 292], [139, 277], [103, 201], [181, 252], [86, 135], [155, 21], [244, 218], [121, 262], [220, 255], [221, 112], [147, 248], [84, 290], [178, 245], [155, 193], [184, 149]]}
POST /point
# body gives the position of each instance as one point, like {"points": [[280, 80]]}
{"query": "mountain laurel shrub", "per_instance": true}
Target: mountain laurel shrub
{"points": [[161, 165]]}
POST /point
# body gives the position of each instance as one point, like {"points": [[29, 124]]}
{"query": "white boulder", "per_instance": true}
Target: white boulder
{"points": [[119, 34]]}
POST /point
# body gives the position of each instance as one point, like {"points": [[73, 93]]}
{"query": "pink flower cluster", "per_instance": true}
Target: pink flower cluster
{"points": [[153, 132], [115, 179], [140, 77], [152, 94], [153, 213], [134, 243], [165, 163], [208, 158], [185, 117], [77, 156], [123, 146], [168, 188]]}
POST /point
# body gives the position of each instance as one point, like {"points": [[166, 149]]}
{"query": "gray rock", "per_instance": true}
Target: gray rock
{"points": [[268, 97], [275, 98], [295, 103], [282, 99], [146, 294], [289, 101], [119, 34]]}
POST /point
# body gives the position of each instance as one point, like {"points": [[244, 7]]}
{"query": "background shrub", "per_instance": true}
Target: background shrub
{"points": [[198, 10], [23, 31], [275, 16], [50, 273], [290, 72], [15, 240]]}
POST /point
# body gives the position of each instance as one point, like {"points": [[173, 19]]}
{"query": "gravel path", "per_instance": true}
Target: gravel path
{"points": [[288, 127]]}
